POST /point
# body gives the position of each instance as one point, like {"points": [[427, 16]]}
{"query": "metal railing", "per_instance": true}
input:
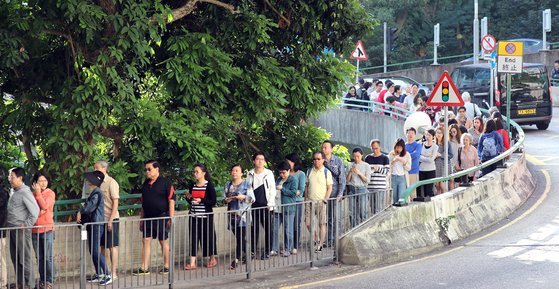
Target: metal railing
{"points": [[67, 204], [267, 241], [374, 106]]}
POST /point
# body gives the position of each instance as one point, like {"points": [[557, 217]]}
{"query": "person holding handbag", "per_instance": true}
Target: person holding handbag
{"points": [[93, 212], [238, 197]]}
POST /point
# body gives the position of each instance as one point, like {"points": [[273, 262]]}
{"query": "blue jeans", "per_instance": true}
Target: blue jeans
{"points": [[398, 187], [297, 225], [331, 218], [94, 233], [42, 243], [288, 219], [277, 219], [358, 205]]}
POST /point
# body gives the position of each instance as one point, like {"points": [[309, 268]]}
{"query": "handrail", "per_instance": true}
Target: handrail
{"points": [[121, 207], [374, 106], [503, 155]]}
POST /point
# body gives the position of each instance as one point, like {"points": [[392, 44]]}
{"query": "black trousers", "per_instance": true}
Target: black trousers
{"points": [[240, 234], [202, 232], [426, 190], [261, 217]]}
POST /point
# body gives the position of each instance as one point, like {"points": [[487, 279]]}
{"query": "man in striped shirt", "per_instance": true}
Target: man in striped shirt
{"points": [[380, 167]]}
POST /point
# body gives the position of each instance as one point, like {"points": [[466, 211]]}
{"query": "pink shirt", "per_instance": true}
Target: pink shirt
{"points": [[468, 159]]}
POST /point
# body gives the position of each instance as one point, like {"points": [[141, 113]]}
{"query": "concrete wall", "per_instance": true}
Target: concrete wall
{"points": [[432, 73], [357, 127], [399, 233]]}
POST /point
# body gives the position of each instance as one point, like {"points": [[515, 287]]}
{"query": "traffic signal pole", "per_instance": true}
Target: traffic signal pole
{"points": [[385, 48]]}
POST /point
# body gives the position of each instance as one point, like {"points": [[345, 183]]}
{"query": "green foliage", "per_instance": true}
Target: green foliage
{"points": [[129, 81]]}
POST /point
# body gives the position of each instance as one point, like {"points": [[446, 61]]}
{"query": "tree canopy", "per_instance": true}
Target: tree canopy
{"points": [[179, 81]]}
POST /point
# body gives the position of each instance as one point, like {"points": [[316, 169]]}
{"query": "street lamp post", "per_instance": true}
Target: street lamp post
{"points": [[476, 33]]}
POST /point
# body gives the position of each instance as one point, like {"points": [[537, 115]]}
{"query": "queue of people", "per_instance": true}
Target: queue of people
{"points": [[272, 202]]}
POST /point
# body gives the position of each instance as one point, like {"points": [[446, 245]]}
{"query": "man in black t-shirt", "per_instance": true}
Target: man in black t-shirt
{"points": [[158, 201]]}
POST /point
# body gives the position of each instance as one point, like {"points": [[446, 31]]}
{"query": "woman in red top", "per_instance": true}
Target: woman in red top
{"points": [[43, 233], [202, 198], [501, 130]]}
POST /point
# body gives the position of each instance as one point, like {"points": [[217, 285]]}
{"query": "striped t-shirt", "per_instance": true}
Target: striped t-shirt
{"points": [[199, 192], [379, 175]]}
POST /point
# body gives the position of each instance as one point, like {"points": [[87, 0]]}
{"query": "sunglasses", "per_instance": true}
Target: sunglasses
{"points": [[148, 170]]}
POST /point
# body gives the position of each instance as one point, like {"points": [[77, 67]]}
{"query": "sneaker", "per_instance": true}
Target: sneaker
{"points": [[164, 271], [95, 278], [273, 253], [140, 272], [265, 256], [106, 280], [318, 249], [234, 265], [285, 254], [294, 251]]}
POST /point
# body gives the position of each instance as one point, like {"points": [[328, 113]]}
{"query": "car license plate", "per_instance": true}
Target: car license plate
{"points": [[526, 111]]}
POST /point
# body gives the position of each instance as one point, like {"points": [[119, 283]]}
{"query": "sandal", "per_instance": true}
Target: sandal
{"points": [[190, 267], [212, 263]]}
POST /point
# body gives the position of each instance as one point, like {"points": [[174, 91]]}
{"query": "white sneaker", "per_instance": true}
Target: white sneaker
{"points": [[106, 280]]}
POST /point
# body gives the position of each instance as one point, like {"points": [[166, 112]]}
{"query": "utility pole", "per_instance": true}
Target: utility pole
{"points": [[385, 47], [483, 33], [476, 33], [546, 26], [436, 42]]}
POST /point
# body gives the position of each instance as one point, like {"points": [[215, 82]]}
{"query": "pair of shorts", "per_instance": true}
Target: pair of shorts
{"points": [[319, 213], [155, 229], [111, 238]]}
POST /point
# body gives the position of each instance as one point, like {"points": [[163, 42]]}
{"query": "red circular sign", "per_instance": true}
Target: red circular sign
{"points": [[488, 43]]}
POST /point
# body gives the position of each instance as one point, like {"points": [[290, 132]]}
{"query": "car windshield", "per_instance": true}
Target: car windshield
{"points": [[471, 77], [530, 85]]}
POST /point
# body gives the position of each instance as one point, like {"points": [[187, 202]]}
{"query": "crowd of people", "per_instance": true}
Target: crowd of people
{"points": [[275, 200], [32, 211]]}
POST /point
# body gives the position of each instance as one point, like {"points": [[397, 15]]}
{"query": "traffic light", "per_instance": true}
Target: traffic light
{"points": [[445, 90], [392, 37]]}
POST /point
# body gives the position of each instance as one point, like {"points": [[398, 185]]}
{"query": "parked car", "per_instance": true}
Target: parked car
{"points": [[403, 81], [530, 102]]}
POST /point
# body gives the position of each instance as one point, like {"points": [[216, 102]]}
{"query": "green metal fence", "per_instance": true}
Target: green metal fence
{"points": [[64, 208]]}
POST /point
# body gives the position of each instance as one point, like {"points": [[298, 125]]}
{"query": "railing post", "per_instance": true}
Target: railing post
{"points": [[171, 277], [83, 246], [248, 243], [337, 220], [312, 233]]}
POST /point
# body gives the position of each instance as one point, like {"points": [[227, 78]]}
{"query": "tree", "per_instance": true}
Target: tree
{"points": [[182, 82]]}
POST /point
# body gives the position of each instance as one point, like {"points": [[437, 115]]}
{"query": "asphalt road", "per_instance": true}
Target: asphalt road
{"points": [[520, 252]]}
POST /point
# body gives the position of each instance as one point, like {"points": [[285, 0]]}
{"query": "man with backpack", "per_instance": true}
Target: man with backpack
{"points": [[318, 190]]}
